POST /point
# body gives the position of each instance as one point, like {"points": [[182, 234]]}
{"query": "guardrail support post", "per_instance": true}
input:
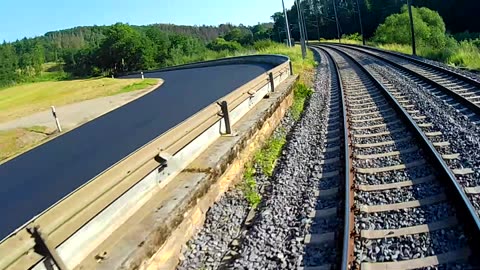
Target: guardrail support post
{"points": [[226, 117], [272, 82], [143, 77], [291, 67], [46, 248]]}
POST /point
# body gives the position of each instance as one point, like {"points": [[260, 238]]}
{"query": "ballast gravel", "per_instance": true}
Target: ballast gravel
{"points": [[274, 239]]}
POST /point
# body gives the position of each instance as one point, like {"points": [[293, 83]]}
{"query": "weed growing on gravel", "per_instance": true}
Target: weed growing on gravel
{"points": [[267, 157], [301, 94], [250, 187]]}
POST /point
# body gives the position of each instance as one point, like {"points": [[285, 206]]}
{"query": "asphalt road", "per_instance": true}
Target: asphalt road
{"points": [[39, 178]]}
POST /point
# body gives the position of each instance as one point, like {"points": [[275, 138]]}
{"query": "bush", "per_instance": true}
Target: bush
{"points": [[263, 44], [467, 54], [220, 44], [354, 36], [429, 28]]}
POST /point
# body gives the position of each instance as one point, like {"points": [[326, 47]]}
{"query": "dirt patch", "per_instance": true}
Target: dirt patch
{"points": [[15, 141]]}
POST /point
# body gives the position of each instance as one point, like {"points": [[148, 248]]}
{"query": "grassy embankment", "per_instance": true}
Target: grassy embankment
{"points": [[463, 54], [266, 157], [28, 98]]}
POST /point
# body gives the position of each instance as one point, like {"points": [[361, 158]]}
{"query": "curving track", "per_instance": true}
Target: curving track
{"points": [[456, 89], [36, 180], [406, 209]]}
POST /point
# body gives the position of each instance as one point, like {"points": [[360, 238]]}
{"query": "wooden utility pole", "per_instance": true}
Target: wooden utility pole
{"points": [[300, 29], [336, 19], [412, 28], [361, 23], [287, 27]]}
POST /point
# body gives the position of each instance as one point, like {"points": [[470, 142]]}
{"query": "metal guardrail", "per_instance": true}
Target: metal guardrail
{"points": [[21, 250]]}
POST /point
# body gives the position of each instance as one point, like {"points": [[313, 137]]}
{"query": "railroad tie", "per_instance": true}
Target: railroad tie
{"points": [[396, 185], [397, 206], [451, 256], [390, 168], [371, 135], [424, 228]]}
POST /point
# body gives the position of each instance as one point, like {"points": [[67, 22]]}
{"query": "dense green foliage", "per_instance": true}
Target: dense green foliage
{"points": [[220, 44], [432, 40], [459, 16], [121, 48], [429, 28]]}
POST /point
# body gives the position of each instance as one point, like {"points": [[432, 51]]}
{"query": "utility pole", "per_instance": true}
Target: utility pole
{"points": [[361, 24], [414, 50], [304, 23], [336, 19], [287, 28], [302, 38]]}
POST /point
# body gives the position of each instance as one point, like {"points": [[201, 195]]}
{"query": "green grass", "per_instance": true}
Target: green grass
{"points": [[301, 94], [304, 67], [267, 157], [467, 55], [143, 84], [25, 99], [250, 187]]}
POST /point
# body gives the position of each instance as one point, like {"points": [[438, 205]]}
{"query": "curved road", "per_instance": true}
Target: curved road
{"points": [[36, 180]]}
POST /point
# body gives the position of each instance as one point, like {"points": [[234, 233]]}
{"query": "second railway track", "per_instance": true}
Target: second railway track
{"points": [[404, 208], [457, 90]]}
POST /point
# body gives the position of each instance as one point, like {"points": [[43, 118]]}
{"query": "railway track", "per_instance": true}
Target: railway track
{"points": [[455, 89], [405, 210], [453, 139], [324, 242]]}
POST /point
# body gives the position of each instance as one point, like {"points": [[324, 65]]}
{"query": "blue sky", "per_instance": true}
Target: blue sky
{"points": [[31, 18]]}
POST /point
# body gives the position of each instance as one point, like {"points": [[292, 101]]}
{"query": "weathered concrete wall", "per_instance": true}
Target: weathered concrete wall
{"points": [[167, 256], [156, 241]]}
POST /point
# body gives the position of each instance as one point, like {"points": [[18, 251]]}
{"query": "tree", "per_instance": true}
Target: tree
{"points": [[8, 64], [429, 28], [125, 49], [160, 42]]}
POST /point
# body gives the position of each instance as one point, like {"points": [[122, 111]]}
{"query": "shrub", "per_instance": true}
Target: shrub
{"points": [[263, 44], [354, 36], [429, 28], [220, 44]]}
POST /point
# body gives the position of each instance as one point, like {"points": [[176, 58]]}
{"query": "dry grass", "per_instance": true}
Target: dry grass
{"points": [[16, 141], [25, 99]]}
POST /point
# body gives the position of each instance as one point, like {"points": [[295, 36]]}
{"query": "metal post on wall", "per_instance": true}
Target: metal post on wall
{"points": [[287, 27], [226, 117], [336, 19], [412, 28], [361, 23]]}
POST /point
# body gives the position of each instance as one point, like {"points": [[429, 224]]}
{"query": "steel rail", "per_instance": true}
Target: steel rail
{"points": [[462, 100], [347, 249], [467, 212], [62, 220]]}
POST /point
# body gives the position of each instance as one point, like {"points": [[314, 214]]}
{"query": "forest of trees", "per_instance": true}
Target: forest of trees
{"points": [[458, 15], [121, 48]]}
